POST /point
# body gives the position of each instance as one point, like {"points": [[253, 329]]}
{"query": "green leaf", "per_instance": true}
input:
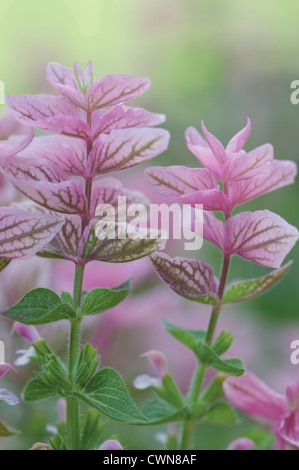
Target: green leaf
{"points": [[4, 262], [159, 412], [169, 392], [40, 306], [209, 357], [38, 390], [93, 428], [6, 431], [194, 340], [190, 338], [66, 298], [107, 393], [215, 390], [102, 299], [221, 413], [223, 343], [57, 442], [87, 364], [251, 288]]}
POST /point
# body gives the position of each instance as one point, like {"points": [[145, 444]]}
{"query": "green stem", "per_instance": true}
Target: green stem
{"points": [[200, 372], [73, 423], [216, 310], [73, 411], [187, 434]]}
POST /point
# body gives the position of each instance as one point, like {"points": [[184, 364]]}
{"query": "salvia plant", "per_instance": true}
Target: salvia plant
{"points": [[63, 176]]}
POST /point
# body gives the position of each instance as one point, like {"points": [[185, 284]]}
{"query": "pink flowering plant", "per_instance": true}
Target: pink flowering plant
{"points": [[230, 177], [62, 174], [92, 134]]}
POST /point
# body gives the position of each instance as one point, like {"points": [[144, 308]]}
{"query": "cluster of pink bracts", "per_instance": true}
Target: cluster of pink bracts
{"points": [[93, 134]]}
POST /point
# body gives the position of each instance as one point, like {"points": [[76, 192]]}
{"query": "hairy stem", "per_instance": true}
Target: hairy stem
{"points": [[73, 412]]}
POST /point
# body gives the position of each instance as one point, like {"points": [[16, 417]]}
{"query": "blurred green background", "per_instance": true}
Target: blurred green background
{"points": [[216, 60]]}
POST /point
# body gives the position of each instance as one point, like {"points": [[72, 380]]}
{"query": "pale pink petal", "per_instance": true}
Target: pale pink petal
{"points": [[124, 148], [215, 145], [158, 361], [66, 197], [261, 236], [288, 428], [28, 332], [123, 117], [144, 381], [115, 89], [238, 141], [10, 126], [197, 145], [62, 78], [8, 397], [248, 393], [25, 233], [293, 396], [243, 166], [51, 113], [111, 444], [188, 186], [193, 137], [12, 146], [243, 443], [4, 368], [281, 173], [213, 230]]}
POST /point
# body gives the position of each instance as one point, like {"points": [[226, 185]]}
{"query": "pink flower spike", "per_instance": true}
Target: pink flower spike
{"points": [[158, 361], [215, 145], [111, 444], [243, 443], [28, 332], [293, 396], [248, 393], [238, 141], [4, 368], [83, 79]]}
